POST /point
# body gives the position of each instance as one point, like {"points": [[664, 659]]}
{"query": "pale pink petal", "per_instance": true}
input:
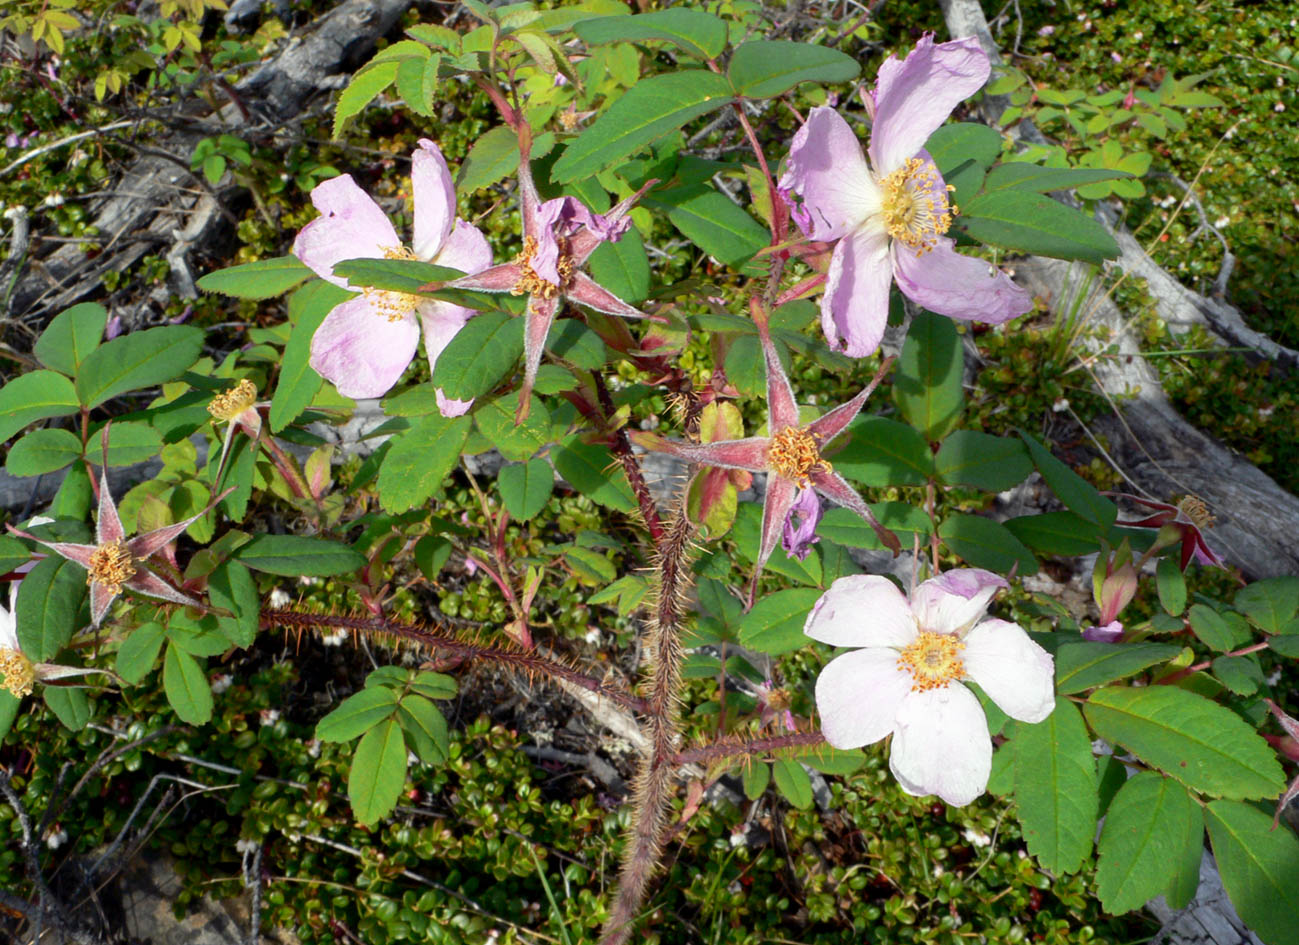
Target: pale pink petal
{"points": [[586, 291], [782, 409], [1015, 672], [941, 745], [360, 351], [862, 610], [465, 249], [586, 241], [955, 600], [914, 96], [958, 286], [450, 406], [545, 260], [351, 226], [827, 169], [434, 198], [855, 306], [109, 525], [858, 696]]}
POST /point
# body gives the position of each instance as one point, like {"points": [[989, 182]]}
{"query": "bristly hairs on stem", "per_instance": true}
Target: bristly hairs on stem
{"points": [[437, 642], [654, 781]]}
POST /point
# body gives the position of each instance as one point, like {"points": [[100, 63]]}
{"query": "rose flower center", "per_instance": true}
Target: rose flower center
{"points": [[532, 284], [793, 455], [16, 672], [1197, 511], [233, 402], [934, 660], [915, 208], [391, 304], [110, 566]]}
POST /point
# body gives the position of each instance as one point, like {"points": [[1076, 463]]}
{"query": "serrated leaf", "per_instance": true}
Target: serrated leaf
{"points": [[479, 356], [263, 279], [767, 68], [1208, 748], [231, 586], [139, 652], [1258, 867], [425, 728], [186, 686], [420, 459], [12, 554], [1151, 829], [953, 144], [1241, 674], [1270, 603], [1055, 788], [1054, 533], [70, 704], [1038, 179], [378, 773], [984, 543], [298, 556], [495, 156], [846, 527], [435, 685], [792, 782], [755, 778], [34, 396], [1171, 586], [693, 31], [648, 110], [712, 222], [1207, 624], [1086, 664], [880, 452], [136, 361], [991, 463], [927, 381], [1033, 223], [70, 336], [571, 340], [51, 607], [1073, 490], [43, 451], [517, 442], [363, 89], [593, 471], [775, 624], [128, 443], [526, 488], [357, 714], [623, 267]]}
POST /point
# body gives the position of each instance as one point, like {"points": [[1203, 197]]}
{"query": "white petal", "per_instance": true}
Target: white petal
{"points": [[9, 621], [1015, 672], [941, 745], [862, 610], [858, 695], [955, 600]]}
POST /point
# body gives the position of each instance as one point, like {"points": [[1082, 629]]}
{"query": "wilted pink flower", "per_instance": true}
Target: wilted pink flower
{"points": [[890, 215], [1181, 523], [1112, 632], [558, 238], [800, 525], [791, 454], [905, 679], [365, 343]]}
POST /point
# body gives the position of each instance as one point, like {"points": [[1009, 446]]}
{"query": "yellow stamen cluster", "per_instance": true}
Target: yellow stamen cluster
{"points": [[392, 305], [934, 660], [1194, 508], [916, 212], [110, 566], [532, 284], [16, 672], [793, 455], [233, 402]]}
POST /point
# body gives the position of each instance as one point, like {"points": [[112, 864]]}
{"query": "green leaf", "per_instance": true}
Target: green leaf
{"points": [[136, 361], [1152, 827], [363, 89], [431, 555], [75, 495], [1208, 748], [233, 588], [357, 714], [755, 778], [435, 685], [984, 543], [526, 488], [712, 222], [990, 463], [792, 782], [1270, 603], [43, 451], [648, 110], [186, 686], [745, 367], [9, 711], [298, 556], [425, 728], [1171, 585], [398, 275], [128, 443], [927, 382], [1033, 223], [34, 396], [197, 637], [846, 527], [698, 33], [881, 452], [1258, 867], [69, 704], [13, 553], [298, 382], [378, 773], [623, 267], [775, 624], [517, 442], [953, 144], [1241, 674], [1033, 177], [1073, 490], [572, 341], [51, 603], [139, 651], [767, 68], [830, 760], [420, 459], [482, 352], [1055, 788], [495, 156], [1212, 630], [70, 336], [263, 279], [1086, 664], [592, 471], [1055, 533]]}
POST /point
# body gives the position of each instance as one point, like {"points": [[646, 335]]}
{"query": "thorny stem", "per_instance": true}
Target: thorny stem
{"points": [[756, 746], [621, 448], [655, 778], [449, 646]]}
